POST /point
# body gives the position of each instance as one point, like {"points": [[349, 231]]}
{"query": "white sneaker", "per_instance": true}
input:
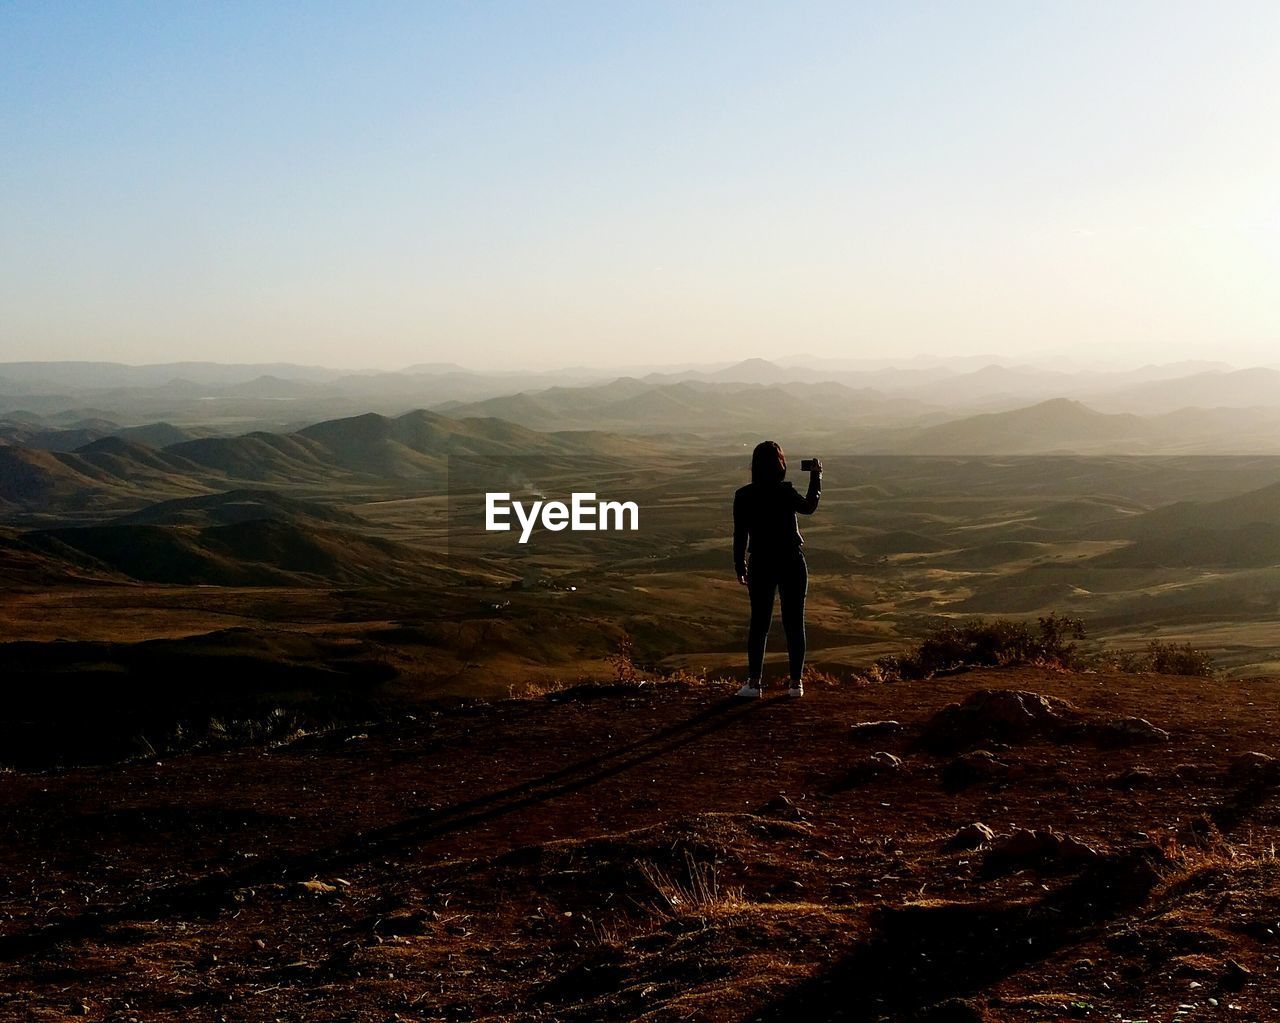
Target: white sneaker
{"points": [[751, 691], [796, 691]]}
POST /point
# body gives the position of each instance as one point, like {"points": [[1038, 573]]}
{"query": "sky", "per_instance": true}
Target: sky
{"points": [[563, 183]]}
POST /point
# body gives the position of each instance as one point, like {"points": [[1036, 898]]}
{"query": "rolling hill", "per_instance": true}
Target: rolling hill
{"points": [[257, 552], [238, 506], [1252, 545], [106, 474]]}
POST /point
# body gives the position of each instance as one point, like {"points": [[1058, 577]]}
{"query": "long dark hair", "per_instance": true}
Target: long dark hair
{"points": [[768, 463]]}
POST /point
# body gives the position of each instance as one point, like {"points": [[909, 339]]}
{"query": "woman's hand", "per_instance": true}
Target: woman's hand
{"points": [[817, 466], [743, 579]]}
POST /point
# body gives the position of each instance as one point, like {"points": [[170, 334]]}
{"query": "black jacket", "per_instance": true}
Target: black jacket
{"points": [[764, 519]]}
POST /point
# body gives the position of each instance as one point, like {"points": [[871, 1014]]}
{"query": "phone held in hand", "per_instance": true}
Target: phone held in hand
{"points": [[808, 464]]}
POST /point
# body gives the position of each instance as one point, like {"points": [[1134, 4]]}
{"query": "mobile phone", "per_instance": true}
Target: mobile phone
{"points": [[808, 464]]}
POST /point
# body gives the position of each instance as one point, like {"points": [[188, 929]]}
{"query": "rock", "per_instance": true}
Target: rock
{"points": [[1133, 778], [878, 765], [317, 887], [1251, 767], [781, 806], [954, 1010], [1193, 772], [408, 922], [976, 766], [971, 836], [1044, 848], [1130, 732], [1234, 976], [1002, 714], [875, 729]]}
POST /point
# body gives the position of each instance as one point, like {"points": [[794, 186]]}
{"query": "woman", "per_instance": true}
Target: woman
{"points": [[764, 522]]}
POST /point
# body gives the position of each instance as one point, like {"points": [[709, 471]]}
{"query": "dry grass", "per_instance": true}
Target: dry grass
{"points": [[697, 894]]}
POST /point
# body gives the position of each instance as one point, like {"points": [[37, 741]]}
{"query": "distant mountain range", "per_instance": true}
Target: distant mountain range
{"points": [[109, 397], [112, 474], [1061, 425]]}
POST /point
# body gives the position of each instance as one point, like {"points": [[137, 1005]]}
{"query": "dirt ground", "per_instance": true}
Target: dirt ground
{"points": [[663, 852]]}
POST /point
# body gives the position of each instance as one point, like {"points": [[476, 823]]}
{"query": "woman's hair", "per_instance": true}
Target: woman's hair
{"points": [[768, 463]]}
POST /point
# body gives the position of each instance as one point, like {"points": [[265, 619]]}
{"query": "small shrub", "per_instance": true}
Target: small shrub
{"points": [[990, 643], [1159, 658], [623, 662], [1184, 659]]}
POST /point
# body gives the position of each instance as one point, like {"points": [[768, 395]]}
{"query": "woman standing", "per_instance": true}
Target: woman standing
{"points": [[764, 523]]}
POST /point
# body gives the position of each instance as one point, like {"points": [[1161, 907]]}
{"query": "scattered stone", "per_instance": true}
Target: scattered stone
{"points": [[976, 766], [1046, 848], [1003, 714], [971, 836], [875, 729]]}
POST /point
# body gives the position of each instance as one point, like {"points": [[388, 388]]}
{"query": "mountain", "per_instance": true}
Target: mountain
{"points": [[1059, 424], [104, 375], [261, 457], [27, 433], [30, 478], [370, 446], [420, 443], [696, 406], [1009, 383], [105, 473], [1237, 389]]}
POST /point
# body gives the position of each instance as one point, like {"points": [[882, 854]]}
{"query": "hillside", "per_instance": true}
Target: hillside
{"points": [[252, 552], [1254, 506], [1254, 545], [238, 506], [999, 847], [260, 457]]}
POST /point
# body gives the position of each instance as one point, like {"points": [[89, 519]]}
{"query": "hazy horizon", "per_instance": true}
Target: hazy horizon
{"points": [[533, 187]]}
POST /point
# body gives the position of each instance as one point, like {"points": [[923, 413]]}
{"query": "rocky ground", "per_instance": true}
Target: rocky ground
{"points": [[1013, 845]]}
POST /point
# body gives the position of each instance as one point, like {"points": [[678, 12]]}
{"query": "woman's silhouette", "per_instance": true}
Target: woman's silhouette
{"points": [[764, 522]]}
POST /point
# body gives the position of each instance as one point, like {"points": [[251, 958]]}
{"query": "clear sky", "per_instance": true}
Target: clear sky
{"points": [[532, 184]]}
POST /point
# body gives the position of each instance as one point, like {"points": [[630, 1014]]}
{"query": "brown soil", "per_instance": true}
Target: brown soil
{"points": [[664, 853]]}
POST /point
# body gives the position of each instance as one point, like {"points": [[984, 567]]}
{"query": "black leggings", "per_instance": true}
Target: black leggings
{"points": [[788, 576]]}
